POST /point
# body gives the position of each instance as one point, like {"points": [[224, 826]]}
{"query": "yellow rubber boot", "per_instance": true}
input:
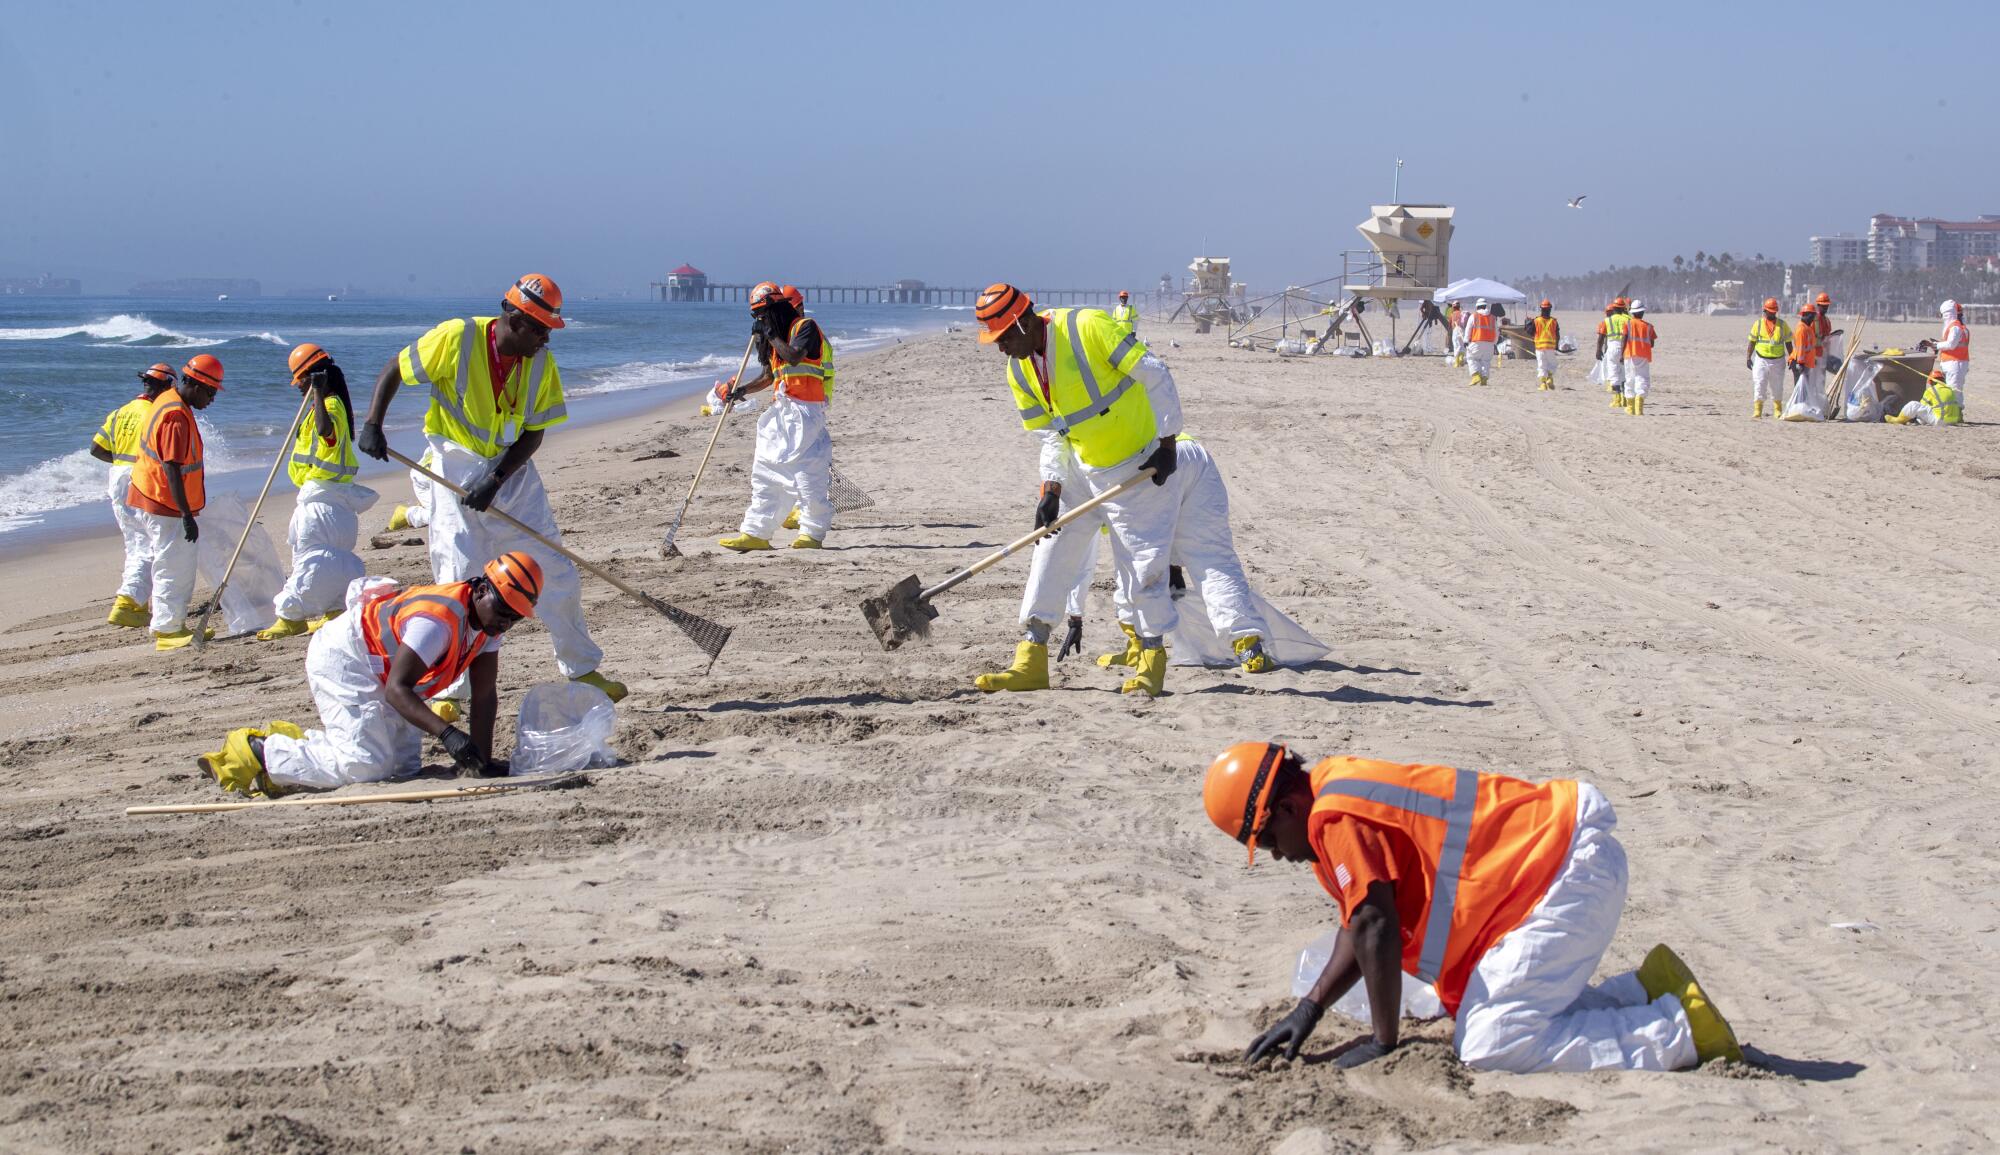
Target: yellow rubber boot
{"points": [[1663, 973], [1898, 419], [743, 543], [1151, 680], [805, 541], [313, 624], [1129, 656], [178, 639], [1617, 398], [1638, 406], [282, 628], [447, 710], [1030, 670], [128, 613], [236, 767], [1251, 657], [792, 518], [399, 518], [1757, 409], [615, 691], [1777, 408]]}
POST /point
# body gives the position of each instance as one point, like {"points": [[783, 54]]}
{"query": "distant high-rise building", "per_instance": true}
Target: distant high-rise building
{"points": [[1899, 244], [1837, 250]]}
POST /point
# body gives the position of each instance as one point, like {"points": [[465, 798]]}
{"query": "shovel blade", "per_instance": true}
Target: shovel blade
{"points": [[669, 550], [899, 613]]}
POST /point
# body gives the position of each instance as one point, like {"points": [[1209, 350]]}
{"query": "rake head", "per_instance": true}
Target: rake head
{"points": [[708, 636], [845, 495]]}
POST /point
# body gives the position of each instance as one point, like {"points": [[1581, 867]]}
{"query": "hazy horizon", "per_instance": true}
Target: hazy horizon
{"points": [[444, 149]]}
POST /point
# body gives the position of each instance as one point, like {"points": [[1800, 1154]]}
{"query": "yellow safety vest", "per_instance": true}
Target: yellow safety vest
{"points": [[1614, 326], [451, 362], [313, 459], [1125, 315], [1769, 336], [1546, 330], [1944, 402], [1091, 399], [122, 429]]}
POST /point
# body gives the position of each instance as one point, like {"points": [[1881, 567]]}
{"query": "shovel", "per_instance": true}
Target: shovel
{"points": [[904, 610], [667, 547], [284, 454], [710, 636]]}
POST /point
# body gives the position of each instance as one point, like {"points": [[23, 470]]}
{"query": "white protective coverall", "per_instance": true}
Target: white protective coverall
{"points": [[793, 467], [1142, 521], [419, 513], [325, 524], [1529, 1005], [1479, 355], [1612, 366], [171, 558], [1954, 336], [136, 580], [363, 738], [1227, 608], [463, 541]]}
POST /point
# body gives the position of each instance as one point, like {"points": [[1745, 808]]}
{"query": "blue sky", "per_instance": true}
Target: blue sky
{"points": [[446, 147]]}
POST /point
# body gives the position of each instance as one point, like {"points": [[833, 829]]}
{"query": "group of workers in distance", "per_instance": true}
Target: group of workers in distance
{"points": [[1623, 358]]}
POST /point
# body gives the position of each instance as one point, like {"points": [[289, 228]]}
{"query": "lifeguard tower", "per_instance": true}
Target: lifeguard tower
{"points": [[1408, 259], [1207, 296]]}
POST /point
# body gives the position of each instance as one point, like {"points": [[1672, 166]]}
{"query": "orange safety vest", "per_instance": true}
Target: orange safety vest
{"points": [[149, 472], [1547, 332], [1490, 846], [1805, 345], [1482, 327], [1964, 350], [1639, 337], [805, 381], [450, 605]]}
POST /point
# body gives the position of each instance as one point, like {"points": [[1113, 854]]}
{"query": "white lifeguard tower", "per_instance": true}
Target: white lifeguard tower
{"points": [[1207, 296]]}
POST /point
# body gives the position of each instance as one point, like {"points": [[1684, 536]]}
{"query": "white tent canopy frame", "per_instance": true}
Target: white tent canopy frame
{"points": [[1473, 288]]}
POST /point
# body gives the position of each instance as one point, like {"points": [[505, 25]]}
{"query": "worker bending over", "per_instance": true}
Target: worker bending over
{"points": [[169, 492], [1482, 340], [1125, 314], [116, 444], [1639, 337], [1104, 408], [494, 390], [325, 521], [1502, 894], [1547, 332], [793, 466], [1769, 350], [1954, 348], [370, 673]]}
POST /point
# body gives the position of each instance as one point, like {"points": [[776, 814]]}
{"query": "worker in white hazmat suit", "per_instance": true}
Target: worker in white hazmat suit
{"points": [[1954, 348], [1941, 405], [417, 514], [1482, 339], [494, 391], [1104, 408], [370, 672], [325, 519], [1501, 894], [793, 467], [1227, 623], [116, 443], [1768, 351]]}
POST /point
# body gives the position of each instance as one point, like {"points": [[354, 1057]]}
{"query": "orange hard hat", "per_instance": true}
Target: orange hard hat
{"points": [[538, 297], [1610, 309], [1545, 303], [1620, 303], [1806, 310], [158, 373], [303, 360], [205, 369], [1825, 300], [999, 307], [518, 579], [1770, 304], [1124, 293], [761, 294], [1237, 791], [793, 297]]}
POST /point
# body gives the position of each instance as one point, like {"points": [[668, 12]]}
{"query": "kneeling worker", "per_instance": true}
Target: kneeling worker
{"points": [[1502, 894], [371, 672]]}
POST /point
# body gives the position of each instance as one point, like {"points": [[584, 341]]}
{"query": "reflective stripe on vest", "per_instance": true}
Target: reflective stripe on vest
{"points": [[1104, 432], [1769, 336], [1125, 314], [1805, 345], [448, 401], [1639, 337], [1964, 350], [420, 602], [1614, 326], [313, 459], [1546, 331], [1456, 813], [812, 377], [1944, 401], [1483, 328], [149, 470]]}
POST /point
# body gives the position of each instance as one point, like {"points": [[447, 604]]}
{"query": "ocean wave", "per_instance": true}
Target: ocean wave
{"points": [[132, 331], [79, 479], [640, 374]]}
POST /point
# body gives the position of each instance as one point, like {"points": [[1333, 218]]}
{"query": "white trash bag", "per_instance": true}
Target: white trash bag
{"points": [[1864, 400], [1420, 999], [563, 726], [258, 576]]}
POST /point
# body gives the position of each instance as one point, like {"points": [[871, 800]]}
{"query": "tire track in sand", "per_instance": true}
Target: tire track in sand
{"points": [[1482, 516]]}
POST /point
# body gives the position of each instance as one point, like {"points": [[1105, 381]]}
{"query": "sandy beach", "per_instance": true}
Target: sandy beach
{"points": [[837, 900]]}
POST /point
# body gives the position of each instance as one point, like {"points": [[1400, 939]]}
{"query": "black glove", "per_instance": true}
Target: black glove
{"points": [[463, 750], [189, 529], [1746, 362], [1176, 578], [1363, 1053], [1072, 640], [480, 496], [1049, 505], [371, 442], [1289, 1032], [1162, 461]]}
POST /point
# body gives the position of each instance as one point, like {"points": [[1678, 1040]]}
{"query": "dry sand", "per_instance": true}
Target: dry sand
{"points": [[838, 901]]}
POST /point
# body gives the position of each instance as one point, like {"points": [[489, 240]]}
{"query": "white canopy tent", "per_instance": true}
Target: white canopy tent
{"points": [[1475, 287]]}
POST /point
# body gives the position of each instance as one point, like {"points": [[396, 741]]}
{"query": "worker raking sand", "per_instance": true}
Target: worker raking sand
{"points": [[116, 443], [169, 490], [494, 392], [371, 672], [1104, 408], [793, 466], [1502, 894], [326, 518]]}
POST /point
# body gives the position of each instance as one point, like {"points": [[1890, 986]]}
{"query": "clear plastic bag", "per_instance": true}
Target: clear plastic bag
{"points": [[563, 726], [1420, 999], [246, 603]]}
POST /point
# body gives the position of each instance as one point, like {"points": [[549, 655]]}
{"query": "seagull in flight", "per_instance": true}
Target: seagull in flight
{"points": [[1577, 202]]}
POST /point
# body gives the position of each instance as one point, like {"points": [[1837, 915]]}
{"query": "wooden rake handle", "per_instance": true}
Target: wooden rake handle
{"points": [[721, 417], [1028, 539]]}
